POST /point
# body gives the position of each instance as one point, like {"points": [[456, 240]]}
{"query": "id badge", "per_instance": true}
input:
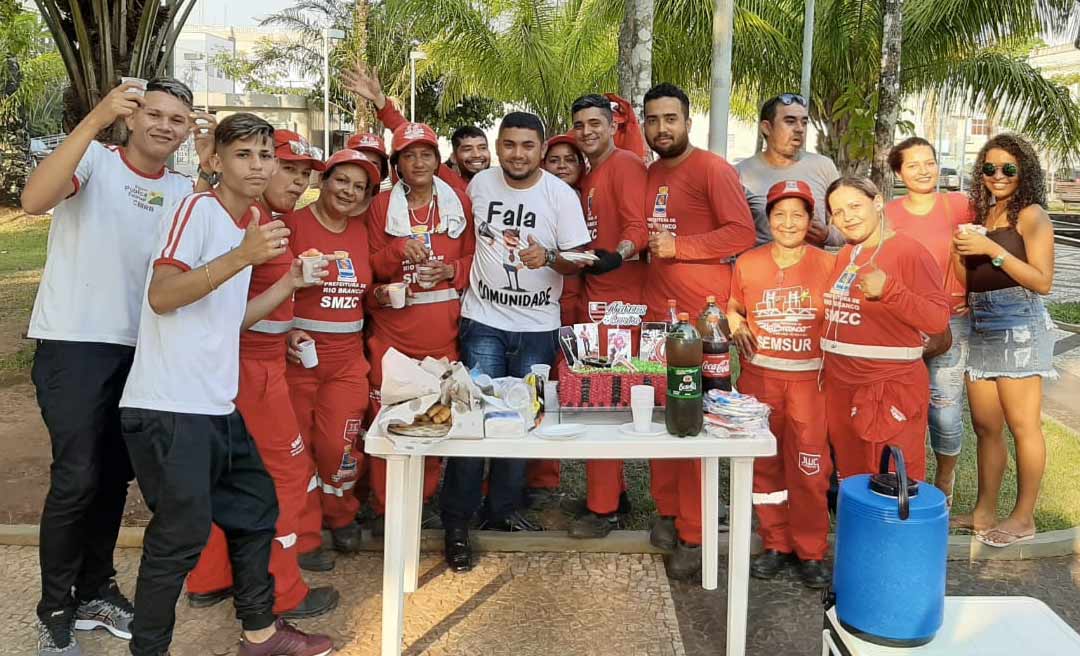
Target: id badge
{"points": [[846, 280], [421, 233]]}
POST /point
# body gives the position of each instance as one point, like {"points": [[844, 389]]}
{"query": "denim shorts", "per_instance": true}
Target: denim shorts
{"points": [[1011, 335]]}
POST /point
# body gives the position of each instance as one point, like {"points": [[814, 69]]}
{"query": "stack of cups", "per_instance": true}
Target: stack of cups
{"points": [[642, 400]]}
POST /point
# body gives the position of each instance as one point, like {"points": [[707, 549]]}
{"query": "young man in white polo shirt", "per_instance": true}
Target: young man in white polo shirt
{"points": [[192, 455], [109, 203], [524, 218]]}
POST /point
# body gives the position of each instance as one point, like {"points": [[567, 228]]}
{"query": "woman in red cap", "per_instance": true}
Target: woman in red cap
{"points": [[776, 313], [374, 147], [420, 234], [564, 161], [330, 398]]}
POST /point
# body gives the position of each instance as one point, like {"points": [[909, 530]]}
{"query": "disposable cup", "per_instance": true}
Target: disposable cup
{"points": [[135, 80], [424, 284], [642, 401], [308, 357], [308, 264], [542, 370], [397, 295]]}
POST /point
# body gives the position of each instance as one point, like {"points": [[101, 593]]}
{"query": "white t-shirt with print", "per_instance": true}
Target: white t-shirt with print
{"points": [[188, 360], [100, 243], [502, 292]]}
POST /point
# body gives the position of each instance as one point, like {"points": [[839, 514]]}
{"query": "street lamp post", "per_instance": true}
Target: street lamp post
{"points": [[720, 102], [328, 34], [414, 56]]}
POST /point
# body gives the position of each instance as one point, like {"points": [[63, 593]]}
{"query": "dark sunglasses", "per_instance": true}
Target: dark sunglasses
{"points": [[790, 98], [1008, 170]]}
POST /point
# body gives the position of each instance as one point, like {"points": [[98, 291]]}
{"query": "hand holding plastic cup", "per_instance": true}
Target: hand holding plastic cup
{"points": [[311, 262], [642, 400], [397, 294], [423, 280], [141, 91], [308, 357], [971, 227]]}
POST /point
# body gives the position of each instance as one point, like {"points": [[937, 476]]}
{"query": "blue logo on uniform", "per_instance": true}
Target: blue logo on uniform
{"points": [[346, 272]]}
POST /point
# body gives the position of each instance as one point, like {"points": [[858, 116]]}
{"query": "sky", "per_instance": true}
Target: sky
{"points": [[238, 12]]}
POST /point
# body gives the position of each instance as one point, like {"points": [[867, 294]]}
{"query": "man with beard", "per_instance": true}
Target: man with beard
{"points": [[698, 222], [470, 151]]}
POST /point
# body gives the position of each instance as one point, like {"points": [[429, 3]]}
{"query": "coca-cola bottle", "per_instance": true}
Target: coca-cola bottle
{"points": [[684, 415], [716, 357], [712, 310]]}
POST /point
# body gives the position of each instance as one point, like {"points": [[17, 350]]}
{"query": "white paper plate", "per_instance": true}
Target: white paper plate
{"points": [[560, 431], [655, 430], [579, 257]]}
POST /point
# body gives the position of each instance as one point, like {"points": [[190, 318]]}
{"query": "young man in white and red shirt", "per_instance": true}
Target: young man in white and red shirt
{"points": [[613, 200], [190, 449], [109, 203], [699, 221], [263, 401]]}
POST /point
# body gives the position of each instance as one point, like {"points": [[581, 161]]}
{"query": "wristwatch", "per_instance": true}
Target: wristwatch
{"points": [[211, 177], [552, 255], [999, 260]]}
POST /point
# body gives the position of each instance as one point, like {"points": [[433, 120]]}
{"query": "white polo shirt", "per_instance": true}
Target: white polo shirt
{"points": [[188, 360], [100, 242]]}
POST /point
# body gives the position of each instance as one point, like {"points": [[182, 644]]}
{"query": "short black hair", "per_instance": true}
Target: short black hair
{"points": [[896, 155], [524, 121], [768, 109], [593, 100], [466, 132], [173, 87], [668, 90], [242, 126]]}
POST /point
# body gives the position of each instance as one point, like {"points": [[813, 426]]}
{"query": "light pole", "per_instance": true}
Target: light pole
{"points": [[328, 34], [807, 49], [720, 103], [414, 56]]}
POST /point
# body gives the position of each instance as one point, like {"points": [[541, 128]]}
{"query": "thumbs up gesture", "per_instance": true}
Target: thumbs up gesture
{"points": [[872, 284], [535, 256], [263, 242]]}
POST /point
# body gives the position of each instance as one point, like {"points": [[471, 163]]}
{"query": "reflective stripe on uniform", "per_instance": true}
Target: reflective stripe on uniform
{"points": [[436, 296], [272, 327], [313, 484], [769, 498], [782, 364], [902, 353], [287, 541], [328, 326], [338, 491]]}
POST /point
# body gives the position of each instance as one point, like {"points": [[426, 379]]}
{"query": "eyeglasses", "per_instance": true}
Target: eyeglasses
{"points": [[790, 98], [304, 149], [1009, 170]]}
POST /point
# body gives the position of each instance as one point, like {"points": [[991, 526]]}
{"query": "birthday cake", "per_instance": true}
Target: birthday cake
{"points": [[609, 387]]}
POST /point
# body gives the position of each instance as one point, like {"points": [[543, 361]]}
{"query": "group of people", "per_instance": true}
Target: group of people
{"points": [[191, 339]]}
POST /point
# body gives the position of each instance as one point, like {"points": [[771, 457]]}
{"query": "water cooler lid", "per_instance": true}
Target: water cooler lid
{"points": [[888, 484]]}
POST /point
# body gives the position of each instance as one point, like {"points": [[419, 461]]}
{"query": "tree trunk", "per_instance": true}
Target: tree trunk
{"points": [[363, 117], [635, 51], [888, 93]]}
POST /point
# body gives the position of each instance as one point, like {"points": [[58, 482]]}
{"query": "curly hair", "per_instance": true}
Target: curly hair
{"points": [[1032, 189]]}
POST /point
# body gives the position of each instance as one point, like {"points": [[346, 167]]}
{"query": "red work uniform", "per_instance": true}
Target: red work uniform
{"points": [[263, 401], [876, 385], [785, 313], [392, 118], [702, 202], [330, 399], [428, 324], [613, 200]]}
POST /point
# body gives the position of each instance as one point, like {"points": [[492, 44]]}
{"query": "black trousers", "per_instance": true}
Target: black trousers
{"points": [[194, 470], [78, 390]]}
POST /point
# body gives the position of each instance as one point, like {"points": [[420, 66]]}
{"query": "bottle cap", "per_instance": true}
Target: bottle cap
{"points": [[671, 302], [710, 299], [684, 316]]}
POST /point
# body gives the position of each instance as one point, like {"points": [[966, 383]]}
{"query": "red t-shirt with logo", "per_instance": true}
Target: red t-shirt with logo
{"points": [[935, 231]]}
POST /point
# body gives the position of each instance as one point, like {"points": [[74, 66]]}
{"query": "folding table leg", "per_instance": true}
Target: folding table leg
{"points": [[742, 480], [710, 521], [393, 612], [414, 501]]}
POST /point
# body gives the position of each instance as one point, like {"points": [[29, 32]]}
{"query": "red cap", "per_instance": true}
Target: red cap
{"points": [[408, 134], [289, 145], [567, 139], [790, 189], [349, 156], [368, 141]]}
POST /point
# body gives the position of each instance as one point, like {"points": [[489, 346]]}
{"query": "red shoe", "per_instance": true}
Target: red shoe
{"points": [[288, 641]]}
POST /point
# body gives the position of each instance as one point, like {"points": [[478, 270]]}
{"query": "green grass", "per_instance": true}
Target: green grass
{"points": [[1065, 312], [22, 255]]}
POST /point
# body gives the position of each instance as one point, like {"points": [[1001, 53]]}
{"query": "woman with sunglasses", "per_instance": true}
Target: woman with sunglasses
{"points": [[884, 294], [1012, 344]]}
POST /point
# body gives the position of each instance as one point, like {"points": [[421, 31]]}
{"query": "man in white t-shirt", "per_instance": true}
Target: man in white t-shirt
{"points": [[191, 452], [524, 217], [108, 203]]}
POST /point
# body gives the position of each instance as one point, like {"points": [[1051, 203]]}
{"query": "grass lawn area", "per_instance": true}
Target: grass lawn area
{"points": [[1068, 312], [22, 256]]}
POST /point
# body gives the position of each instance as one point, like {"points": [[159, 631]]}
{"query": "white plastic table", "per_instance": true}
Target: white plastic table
{"points": [[973, 626], [601, 441]]}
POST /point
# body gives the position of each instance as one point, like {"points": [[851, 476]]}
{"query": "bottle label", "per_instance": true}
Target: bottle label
{"points": [[716, 365], [684, 382]]}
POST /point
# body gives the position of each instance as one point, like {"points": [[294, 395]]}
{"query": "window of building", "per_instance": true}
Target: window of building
{"points": [[980, 127]]}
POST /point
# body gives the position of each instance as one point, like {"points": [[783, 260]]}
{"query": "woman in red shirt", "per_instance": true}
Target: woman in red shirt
{"points": [[330, 398], [775, 312]]}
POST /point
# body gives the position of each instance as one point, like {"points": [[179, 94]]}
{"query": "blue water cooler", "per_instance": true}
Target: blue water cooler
{"points": [[892, 539]]}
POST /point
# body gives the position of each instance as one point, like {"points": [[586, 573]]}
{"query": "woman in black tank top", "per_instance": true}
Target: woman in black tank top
{"points": [[1006, 270]]}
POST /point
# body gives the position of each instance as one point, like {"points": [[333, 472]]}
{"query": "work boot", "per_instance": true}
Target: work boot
{"points": [[109, 610], [662, 535], [318, 601], [208, 599], [56, 635], [458, 551], [578, 507], [288, 641], [347, 539], [592, 525], [769, 564], [540, 497], [684, 564], [813, 574], [320, 560]]}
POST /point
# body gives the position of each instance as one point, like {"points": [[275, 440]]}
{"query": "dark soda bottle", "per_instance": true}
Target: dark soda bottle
{"points": [[716, 350], [684, 413], [712, 310]]}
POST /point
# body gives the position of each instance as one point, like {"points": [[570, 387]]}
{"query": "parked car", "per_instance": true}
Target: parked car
{"points": [[949, 179]]}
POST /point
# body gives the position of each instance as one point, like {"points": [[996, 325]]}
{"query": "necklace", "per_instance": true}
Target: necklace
{"points": [[428, 221]]}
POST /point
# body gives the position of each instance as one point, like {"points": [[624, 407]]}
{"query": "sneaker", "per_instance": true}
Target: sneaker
{"points": [[512, 523], [662, 535], [288, 641], [318, 601], [208, 599], [56, 636], [109, 610], [591, 525], [684, 564]]}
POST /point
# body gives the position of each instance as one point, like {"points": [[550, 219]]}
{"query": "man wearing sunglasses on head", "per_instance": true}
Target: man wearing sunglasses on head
{"points": [[783, 123]]}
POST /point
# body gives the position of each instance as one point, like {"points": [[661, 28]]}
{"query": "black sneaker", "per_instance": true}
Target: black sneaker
{"points": [[769, 564], [512, 523], [320, 560], [684, 564], [662, 535], [813, 574], [319, 601], [347, 539], [458, 550], [208, 599], [109, 610], [56, 635], [591, 525]]}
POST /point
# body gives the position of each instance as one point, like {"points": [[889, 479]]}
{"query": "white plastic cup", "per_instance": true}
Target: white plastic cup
{"points": [[308, 357], [308, 264], [642, 401], [424, 284], [541, 370], [397, 295], [141, 91]]}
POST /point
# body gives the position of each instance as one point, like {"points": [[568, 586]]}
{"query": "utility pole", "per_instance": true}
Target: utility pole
{"points": [[720, 101]]}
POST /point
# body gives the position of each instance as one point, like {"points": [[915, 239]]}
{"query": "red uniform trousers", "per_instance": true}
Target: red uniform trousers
{"points": [[263, 401], [376, 471], [330, 400], [605, 480], [790, 488], [676, 488], [864, 419]]}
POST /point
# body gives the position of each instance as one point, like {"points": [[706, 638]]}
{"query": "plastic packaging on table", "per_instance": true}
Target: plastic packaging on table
{"points": [[730, 414]]}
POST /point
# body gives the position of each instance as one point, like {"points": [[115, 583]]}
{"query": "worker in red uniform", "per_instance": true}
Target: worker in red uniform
{"points": [[698, 222], [776, 313], [885, 292], [420, 233], [613, 200], [263, 402], [330, 398]]}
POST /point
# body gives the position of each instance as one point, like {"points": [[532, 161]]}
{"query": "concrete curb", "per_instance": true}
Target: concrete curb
{"points": [[961, 547]]}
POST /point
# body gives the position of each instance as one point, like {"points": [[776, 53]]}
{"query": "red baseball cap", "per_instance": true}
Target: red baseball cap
{"points": [[789, 189], [567, 139], [350, 156], [367, 141], [408, 134], [289, 145]]}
